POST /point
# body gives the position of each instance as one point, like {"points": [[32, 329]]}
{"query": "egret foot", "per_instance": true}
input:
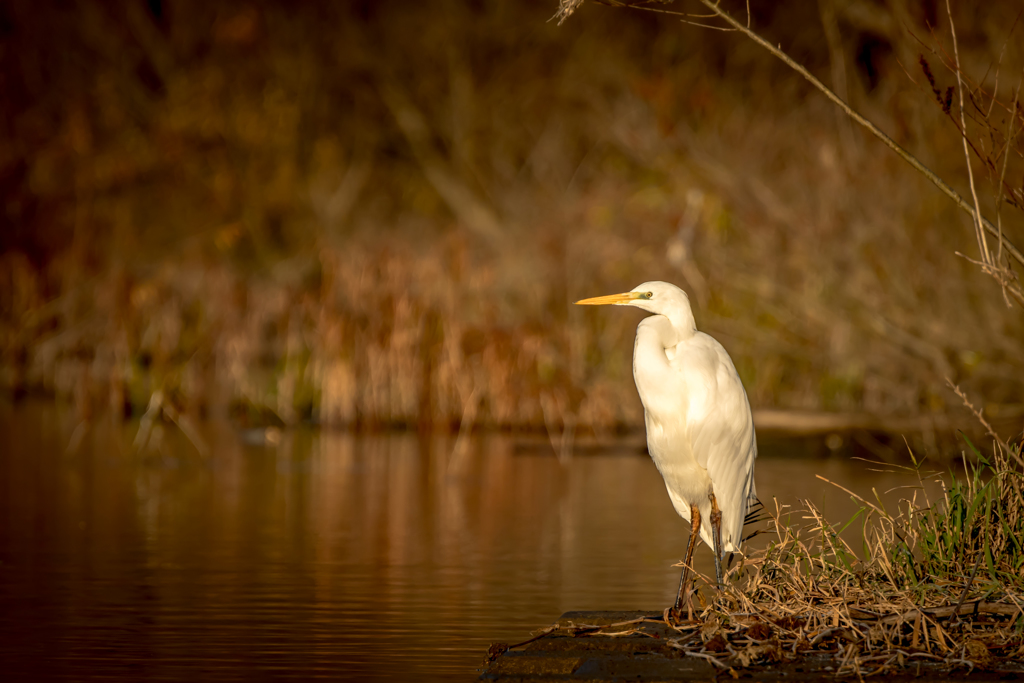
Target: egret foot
{"points": [[680, 612]]}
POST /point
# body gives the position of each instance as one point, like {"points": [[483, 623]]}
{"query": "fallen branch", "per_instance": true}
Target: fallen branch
{"points": [[977, 607]]}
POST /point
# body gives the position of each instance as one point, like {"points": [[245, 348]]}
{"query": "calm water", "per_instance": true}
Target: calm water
{"points": [[325, 555]]}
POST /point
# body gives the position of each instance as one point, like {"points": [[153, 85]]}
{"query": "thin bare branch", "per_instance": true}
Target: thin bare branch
{"points": [[856, 116], [982, 242]]}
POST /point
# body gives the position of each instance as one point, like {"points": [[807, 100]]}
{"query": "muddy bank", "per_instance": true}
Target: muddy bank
{"points": [[641, 646]]}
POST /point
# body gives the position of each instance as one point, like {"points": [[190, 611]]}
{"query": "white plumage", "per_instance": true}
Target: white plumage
{"points": [[700, 431]]}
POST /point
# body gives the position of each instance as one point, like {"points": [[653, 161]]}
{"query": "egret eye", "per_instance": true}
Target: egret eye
{"points": [[648, 295]]}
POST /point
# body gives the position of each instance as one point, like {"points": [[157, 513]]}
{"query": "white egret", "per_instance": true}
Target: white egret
{"points": [[700, 431]]}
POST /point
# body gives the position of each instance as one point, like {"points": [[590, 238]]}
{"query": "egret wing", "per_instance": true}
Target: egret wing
{"points": [[723, 441]]}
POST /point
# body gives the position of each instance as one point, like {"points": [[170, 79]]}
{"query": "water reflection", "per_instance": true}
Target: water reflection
{"points": [[325, 555]]}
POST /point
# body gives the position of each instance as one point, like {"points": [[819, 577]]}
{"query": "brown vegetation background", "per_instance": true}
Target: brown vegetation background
{"points": [[380, 213]]}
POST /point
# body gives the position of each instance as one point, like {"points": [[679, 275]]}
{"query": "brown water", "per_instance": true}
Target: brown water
{"points": [[326, 555]]}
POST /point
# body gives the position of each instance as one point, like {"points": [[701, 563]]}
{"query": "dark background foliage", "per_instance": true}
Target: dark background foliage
{"points": [[379, 213]]}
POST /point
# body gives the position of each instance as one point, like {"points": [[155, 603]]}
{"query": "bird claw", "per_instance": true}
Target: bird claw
{"points": [[675, 616]]}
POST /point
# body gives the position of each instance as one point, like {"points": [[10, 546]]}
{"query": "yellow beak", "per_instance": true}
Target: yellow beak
{"points": [[623, 298]]}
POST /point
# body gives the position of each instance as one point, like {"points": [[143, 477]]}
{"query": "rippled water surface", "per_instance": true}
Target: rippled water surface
{"points": [[323, 555]]}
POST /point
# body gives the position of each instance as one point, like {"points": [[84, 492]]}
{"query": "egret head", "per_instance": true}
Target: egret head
{"points": [[660, 298]]}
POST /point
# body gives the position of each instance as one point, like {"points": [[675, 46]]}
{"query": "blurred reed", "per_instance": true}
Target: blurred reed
{"points": [[256, 211]]}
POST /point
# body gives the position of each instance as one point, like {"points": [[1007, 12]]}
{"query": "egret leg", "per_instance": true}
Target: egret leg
{"points": [[716, 535], [684, 580]]}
